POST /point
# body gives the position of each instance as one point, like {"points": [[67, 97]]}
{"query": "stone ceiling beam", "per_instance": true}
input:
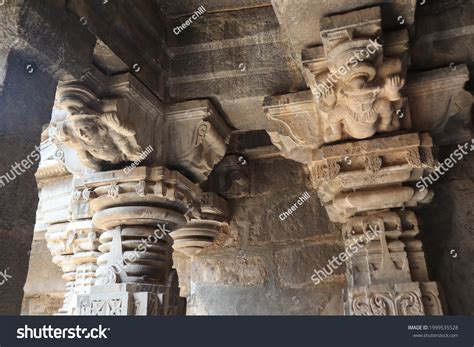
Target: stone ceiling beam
{"points": [[135, 32]]}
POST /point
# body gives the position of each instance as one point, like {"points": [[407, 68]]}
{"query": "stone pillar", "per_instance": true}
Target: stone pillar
{"points": [[135, 213], [354, 132], [370, 192], [135, 165]]}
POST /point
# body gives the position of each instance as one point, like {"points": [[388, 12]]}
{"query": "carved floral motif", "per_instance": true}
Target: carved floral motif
{"points": [[388, 304]]}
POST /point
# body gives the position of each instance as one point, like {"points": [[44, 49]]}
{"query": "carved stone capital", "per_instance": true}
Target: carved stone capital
{"points": [[200, 233], [354, 177], [134, 212], [107, 121]]}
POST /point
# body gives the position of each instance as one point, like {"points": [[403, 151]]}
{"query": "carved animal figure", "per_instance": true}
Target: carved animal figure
{"points": [[99, 139]]}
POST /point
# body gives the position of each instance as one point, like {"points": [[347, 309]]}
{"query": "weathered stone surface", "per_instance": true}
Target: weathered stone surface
{"points": [[444, 34], [236, 57], [42, 305], [359, 182], [266, 226], [265, 173], [20, 132], [295, 265], [42, 297], [132, 32], [429, 91], [238, 271], [448, 231], [300, 22], [30, 26], [182, 264], [209, 300], [201, 233], [182, 8]]}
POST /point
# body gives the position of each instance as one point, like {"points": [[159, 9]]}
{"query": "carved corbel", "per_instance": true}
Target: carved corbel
{"points": [[440, 105], [106, 121], [196, 138]]}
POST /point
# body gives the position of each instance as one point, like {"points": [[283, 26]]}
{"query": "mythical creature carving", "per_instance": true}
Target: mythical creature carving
{"points": [[99, 139], [361, 103]]}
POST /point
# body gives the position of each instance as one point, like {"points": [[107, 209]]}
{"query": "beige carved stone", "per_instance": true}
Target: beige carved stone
{"points": [[376, 167], [134, 274], [196, 137], [357, 92], [89, 134], [102, 205], [112, 227], [355, 80], [106, 121], [386, 300], [388, 275], [295, 129]]}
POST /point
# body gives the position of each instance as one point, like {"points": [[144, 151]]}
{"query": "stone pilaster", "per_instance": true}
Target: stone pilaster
{"points": [[354, 133]]}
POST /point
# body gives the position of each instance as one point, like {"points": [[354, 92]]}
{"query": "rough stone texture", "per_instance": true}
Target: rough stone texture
{"points": [[42, 304], [41, 267], [300, 23], [238, 271], [265, 227], [31, 27], [293, 263], [21, 94], [363, 183], [237, 57], [447, 226], [215, 300], [182, 264], [134, 32], [42, 297], [444, 34], [183, 8], [38, 45]]}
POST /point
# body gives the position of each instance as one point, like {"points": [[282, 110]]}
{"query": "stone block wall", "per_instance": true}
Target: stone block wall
{"points": [[448, 235], [263, 265]]}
